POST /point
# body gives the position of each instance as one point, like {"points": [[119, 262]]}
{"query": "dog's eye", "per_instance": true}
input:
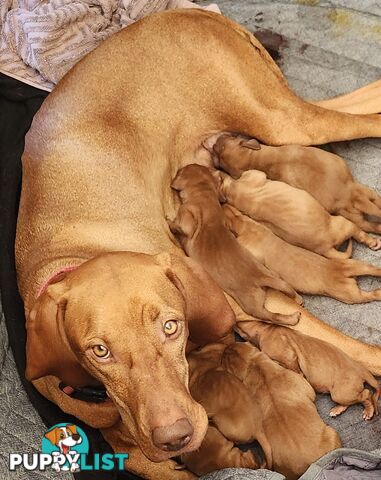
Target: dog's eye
{"points": [[170, 327], [62, 435], [101, 351]]}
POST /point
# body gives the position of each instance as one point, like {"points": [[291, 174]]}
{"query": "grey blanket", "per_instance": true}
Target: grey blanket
{"points": [[326, 48]]}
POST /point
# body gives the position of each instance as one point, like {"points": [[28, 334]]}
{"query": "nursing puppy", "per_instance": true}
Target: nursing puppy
{"points": [[304, 270], [324, 175], [326, 368], [292, 214], [249, 397], [201, 230]]}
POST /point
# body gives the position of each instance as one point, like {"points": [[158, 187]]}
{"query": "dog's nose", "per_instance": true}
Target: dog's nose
{"points": [[75, 436], [173, 437]]}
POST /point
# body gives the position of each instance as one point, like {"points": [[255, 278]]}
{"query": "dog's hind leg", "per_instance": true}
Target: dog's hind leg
{"points": [[366, 99], [266, 108], [355, 268], [358, 219]]}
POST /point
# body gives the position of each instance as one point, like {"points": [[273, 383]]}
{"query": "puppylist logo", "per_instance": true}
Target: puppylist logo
{"points": [[65, 448]]}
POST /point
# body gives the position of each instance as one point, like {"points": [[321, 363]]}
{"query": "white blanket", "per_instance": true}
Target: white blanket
{"points": [[41, 40]]}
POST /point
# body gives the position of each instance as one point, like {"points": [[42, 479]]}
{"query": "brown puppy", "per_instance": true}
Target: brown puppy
{"points": [[324, 175], [247, 396], [326, 368], [200, 227], [292, 214], [304, 270]]}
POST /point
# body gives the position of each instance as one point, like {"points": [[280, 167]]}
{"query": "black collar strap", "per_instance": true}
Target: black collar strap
{"points": [[86, 394]]}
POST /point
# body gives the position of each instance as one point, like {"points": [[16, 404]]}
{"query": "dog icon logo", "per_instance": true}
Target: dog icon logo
{"points": [[66, 443]]}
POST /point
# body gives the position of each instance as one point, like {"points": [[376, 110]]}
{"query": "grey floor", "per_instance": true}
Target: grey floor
{"points": [[325, 48]]}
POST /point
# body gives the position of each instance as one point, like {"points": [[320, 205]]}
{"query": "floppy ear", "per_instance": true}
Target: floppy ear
{"points": [[252, 144], [52, 436], [207, 311], [177, 183], [184, 223], [47, 348]]}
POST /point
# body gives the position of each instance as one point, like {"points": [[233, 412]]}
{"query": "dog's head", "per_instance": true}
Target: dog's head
{"points": [[123, 319], [195, 177], [231, 153], [64, 437]]}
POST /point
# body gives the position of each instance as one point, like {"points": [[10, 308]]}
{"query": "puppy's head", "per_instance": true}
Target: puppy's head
{"points": [[195, 177], [230, 153], [122, 320], [203, 359], [238, 358]]}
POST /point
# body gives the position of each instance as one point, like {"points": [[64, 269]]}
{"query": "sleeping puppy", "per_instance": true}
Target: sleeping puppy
{"points": [[249, 397], [326, 368], [292, 214], [305, 271], [201, 230], [324, 175]]}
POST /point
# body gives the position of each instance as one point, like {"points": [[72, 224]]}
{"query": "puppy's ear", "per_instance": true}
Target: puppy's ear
{"points": [[47, 348], [184, 223], [178, 183], [53, 436], [253, 144], [207, 311]]}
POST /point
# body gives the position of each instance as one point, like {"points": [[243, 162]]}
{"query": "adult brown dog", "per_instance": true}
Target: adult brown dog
{"points": [[98, 163]]}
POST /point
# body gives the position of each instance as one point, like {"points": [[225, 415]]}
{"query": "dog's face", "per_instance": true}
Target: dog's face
{"points": [[123, 319], [230, 153], [64, 437], [197, 177]]}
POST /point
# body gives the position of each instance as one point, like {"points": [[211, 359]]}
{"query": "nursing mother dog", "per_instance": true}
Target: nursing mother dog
{"points": [[110, 298]]}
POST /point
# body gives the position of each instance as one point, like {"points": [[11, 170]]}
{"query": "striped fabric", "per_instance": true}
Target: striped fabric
{"points": [[41, 40]]}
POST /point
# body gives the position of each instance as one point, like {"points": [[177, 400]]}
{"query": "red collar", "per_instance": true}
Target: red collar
{"points": [[69, 268]]}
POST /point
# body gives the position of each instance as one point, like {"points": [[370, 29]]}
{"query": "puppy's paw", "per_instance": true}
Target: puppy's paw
{"points": [[338, 410], [294, 318], [376, 245], [299, 300], [368, 412]]}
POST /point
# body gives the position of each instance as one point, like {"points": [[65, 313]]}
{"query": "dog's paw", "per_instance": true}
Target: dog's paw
{"points": [[299, 300], [368, 412], [338, 410], [376, 244], [56, 467]]}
